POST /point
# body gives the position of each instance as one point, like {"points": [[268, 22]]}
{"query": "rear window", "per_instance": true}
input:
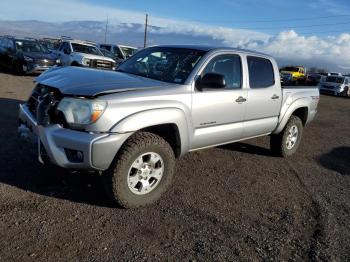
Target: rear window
{"points": [[261, 72]]}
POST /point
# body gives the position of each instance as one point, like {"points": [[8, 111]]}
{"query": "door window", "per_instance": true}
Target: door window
{"points": [[107, 47], [118, 53], [261, 72], [230, 67]]}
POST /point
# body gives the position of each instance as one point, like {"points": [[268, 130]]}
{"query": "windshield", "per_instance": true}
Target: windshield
{"points": [[166, 64], [128, 51], [86, 49], [290, 69], [107, 53], [50, 45], [28, 46], [335, 79]]}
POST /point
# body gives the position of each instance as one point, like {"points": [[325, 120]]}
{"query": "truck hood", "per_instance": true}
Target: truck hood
{"points": [[37, 55], [80, 81], [90, 56]]}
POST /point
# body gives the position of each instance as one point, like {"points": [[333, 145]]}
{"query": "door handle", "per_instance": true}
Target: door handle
{"points": [[275, 96], [241, 99]]}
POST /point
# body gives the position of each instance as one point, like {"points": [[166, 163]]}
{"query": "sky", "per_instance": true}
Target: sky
{"points": [[314, 30]]}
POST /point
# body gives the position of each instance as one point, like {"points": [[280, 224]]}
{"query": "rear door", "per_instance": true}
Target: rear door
{"points": [[218, 113], [264, 97]]}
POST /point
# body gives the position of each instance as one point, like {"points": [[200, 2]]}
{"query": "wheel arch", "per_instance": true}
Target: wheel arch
{"points": [[299, 108], [168, 123], [75, 63]]}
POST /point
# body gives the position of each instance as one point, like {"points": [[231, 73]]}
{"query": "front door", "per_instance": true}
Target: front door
{"points": [[218, 113]]}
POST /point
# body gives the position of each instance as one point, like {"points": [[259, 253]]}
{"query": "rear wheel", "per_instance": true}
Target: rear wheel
{"points": [[287, 142], [141, 172]]}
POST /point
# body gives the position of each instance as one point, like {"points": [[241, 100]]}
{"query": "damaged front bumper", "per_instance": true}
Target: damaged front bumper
{"points": [[71, 149]]}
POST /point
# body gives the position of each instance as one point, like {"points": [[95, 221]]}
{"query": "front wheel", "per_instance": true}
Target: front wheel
{"points": [[141, 172], [287, 142]]}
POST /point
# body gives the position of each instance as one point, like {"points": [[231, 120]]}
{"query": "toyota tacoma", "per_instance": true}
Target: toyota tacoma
{"points": [[131, 125]]}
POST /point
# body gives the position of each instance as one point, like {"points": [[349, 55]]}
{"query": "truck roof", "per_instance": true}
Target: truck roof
{"points": [[214, 48]]}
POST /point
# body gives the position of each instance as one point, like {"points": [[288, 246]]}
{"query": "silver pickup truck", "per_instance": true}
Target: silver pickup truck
{"points": [[163, 102]]}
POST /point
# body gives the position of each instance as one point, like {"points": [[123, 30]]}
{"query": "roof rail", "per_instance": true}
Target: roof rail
{"points": [[31, 38], [51, 38], [64, 37], [89, 42]]}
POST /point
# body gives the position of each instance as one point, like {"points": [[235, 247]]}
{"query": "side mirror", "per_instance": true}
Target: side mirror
{"points": [[211, 80], [66, 51]]}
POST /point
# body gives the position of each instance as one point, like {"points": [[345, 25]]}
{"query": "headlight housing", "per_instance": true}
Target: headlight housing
{"points": [[86, 61], [80, 112], [28, 59]]}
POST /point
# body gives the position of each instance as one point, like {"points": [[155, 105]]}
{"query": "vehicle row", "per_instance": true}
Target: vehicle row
{"points": [[34, 56]]}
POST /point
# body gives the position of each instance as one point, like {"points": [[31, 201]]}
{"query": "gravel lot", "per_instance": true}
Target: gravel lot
{"points": [[235, 202]]}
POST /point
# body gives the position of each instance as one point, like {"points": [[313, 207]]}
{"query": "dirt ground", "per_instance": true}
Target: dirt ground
{"points": [[235, 202]]}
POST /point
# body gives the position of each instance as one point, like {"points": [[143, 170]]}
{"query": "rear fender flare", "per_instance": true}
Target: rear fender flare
{"points": [[284, 117]]}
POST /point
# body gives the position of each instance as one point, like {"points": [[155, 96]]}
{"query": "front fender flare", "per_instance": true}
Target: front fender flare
{"points": [[154, 117]]}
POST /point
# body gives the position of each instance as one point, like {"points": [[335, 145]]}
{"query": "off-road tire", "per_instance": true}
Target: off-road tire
{"points": [[115, 178], [278, 142]]}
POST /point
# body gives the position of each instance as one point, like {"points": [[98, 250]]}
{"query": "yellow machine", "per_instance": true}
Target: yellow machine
{"points": [[298, 72]]}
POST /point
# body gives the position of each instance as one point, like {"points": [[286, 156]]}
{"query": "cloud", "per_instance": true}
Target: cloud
{"points": [[286, 46], [289, 45]]}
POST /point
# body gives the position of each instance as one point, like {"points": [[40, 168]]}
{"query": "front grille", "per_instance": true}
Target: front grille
{"points": [[42, 104], [45, 62], [328, 87], [101, 64]]}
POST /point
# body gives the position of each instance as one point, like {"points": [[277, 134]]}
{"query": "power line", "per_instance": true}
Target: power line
{"points": [[291, 27], [271, 21], [322, 32]]}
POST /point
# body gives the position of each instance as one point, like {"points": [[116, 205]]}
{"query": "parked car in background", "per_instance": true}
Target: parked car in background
{"points": [[335, 85], [313, 79], [25, 56], [286, 78], [298, 73], [51, 44], [83, 53], [335, 74], [163, 102], [109, 54], [121, 51]]}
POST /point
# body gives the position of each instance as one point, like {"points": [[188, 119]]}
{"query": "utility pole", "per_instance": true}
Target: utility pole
{"points": [[145, 37], [106, 30]]}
